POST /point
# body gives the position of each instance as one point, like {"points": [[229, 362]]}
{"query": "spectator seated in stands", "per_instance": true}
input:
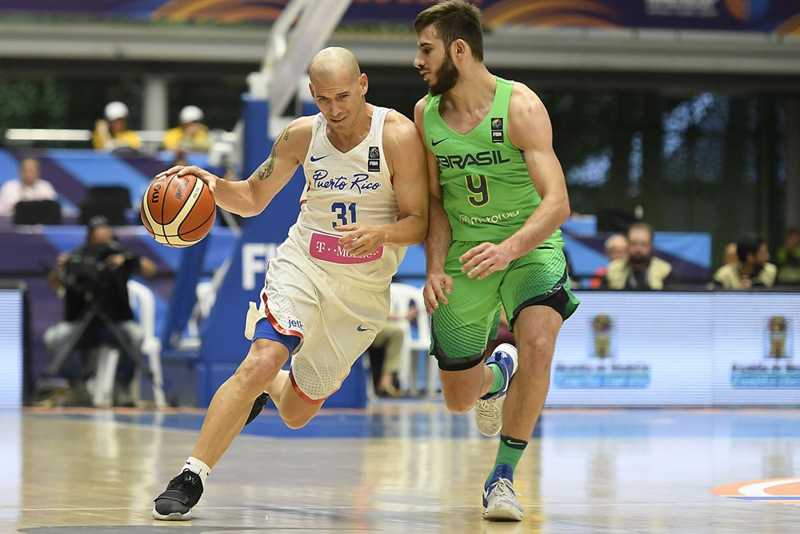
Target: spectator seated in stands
{"points": [[752, 268], [191, 135], [788, 259], [28, 187], [94, 282], [112, 134], [390, 341], [641, 270], [729, 254], [615, 248]]}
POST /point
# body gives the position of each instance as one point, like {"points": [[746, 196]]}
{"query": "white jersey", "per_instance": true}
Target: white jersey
{"points": [[345, 188]]}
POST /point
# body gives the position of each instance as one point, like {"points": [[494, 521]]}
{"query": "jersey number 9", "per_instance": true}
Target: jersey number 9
{"points": [[477, 184]]}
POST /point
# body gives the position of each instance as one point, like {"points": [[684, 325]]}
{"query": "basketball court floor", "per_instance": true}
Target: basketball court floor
{"points": [[407, 467]]}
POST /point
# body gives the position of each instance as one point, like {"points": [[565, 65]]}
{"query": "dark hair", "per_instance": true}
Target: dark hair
{"points": [[748, 244], [451, 20], [97, 221]]}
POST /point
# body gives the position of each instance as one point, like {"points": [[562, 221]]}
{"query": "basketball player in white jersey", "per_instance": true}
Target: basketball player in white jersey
{"points": [[327, 291]]}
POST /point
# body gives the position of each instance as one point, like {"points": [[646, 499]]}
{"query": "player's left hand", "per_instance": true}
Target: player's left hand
{"points": [[361, 239], [483, 260]]}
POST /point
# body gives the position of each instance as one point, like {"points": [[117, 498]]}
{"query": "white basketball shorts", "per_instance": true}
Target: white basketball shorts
{"points": [[335, 321]]}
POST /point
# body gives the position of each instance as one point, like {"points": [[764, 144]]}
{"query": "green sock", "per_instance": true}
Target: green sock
{"points": [[509, 453], [497, 385]]}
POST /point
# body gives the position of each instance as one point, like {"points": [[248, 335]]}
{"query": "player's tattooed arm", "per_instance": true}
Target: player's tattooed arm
{"points": [[279, 167], [265, 170]]}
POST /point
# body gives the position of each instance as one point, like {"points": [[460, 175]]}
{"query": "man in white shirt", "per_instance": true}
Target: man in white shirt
{"points": [[28, 187]]}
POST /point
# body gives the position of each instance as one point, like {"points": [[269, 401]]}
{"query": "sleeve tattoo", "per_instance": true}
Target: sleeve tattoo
{"points": [[264, 171]]}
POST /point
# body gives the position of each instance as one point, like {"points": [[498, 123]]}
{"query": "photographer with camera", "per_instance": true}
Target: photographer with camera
{"points": [[93, 280]]}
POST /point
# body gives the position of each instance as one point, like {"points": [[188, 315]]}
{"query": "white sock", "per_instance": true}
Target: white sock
{"points": [[199, 467]]}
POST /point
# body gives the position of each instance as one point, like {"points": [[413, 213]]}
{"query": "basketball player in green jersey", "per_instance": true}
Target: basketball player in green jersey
{"points": [[498, 197]]}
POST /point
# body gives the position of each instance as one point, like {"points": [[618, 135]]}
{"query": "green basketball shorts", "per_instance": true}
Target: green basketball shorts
{"points": [[461, 329]]}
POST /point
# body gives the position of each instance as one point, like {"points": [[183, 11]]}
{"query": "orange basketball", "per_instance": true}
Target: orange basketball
{"points": [[178, 211]]}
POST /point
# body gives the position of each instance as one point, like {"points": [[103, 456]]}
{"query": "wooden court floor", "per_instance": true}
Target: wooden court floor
{"points": [[405, 467]]}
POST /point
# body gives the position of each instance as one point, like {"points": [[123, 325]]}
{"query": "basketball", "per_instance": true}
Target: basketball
{"points": [[178, 211]]}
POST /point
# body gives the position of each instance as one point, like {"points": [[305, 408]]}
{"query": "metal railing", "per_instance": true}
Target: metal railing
{"points": [[224, 146]]}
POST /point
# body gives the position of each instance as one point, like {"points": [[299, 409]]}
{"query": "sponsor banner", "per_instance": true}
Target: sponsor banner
{"points": [[635, 349], [778, 16], [12, 345], [754, 353], [678, 349]]}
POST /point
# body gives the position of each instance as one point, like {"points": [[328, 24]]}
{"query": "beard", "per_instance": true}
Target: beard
{"points": [[446, 77], [639, 261]]}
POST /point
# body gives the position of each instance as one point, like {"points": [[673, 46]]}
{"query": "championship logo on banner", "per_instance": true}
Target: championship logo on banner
{"points": [[776, 368], [603, 370], [601, 330], [778, 338]]}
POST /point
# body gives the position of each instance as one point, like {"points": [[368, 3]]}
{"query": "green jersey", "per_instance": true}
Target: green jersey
{"points": [[487, 190]]}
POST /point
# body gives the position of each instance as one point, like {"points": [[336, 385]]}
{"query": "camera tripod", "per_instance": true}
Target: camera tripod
{"points": [[89, 315]]}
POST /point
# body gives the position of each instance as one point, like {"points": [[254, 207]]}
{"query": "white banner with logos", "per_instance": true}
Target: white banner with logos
{"points": [[678, 349], [11, 347]]}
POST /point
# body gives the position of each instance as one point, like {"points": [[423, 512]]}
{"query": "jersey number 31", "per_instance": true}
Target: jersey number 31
{"points": [[341, 210]]}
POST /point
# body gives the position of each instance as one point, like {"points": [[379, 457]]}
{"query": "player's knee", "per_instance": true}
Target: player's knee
{"points": [[258, 368], [458, 402], [297, 414], [536, 354], [296, 421]]}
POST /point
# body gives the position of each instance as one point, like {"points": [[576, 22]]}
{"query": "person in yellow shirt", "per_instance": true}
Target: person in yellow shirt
{"points": [[752, 268], [640, 271], [788, 257], [729, 254], [112, 134], [191, 135]]}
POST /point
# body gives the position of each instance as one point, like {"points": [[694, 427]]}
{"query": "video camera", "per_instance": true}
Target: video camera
{"points": [[86, 271]]}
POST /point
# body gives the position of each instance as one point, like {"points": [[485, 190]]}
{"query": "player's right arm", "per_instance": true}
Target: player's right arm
{"points": [[437, 283], [249, 197]]}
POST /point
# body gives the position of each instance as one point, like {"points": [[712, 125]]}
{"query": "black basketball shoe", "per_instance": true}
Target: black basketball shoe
{"points": [[182, 493], [258, 405]]}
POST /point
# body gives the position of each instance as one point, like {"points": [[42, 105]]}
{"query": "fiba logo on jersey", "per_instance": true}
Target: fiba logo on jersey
{"points": [[497, 130], [374, 159]]}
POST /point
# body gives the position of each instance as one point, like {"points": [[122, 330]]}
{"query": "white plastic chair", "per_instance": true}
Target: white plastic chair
{"points": [[206, 293], [143, 305], [403, 296]]}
